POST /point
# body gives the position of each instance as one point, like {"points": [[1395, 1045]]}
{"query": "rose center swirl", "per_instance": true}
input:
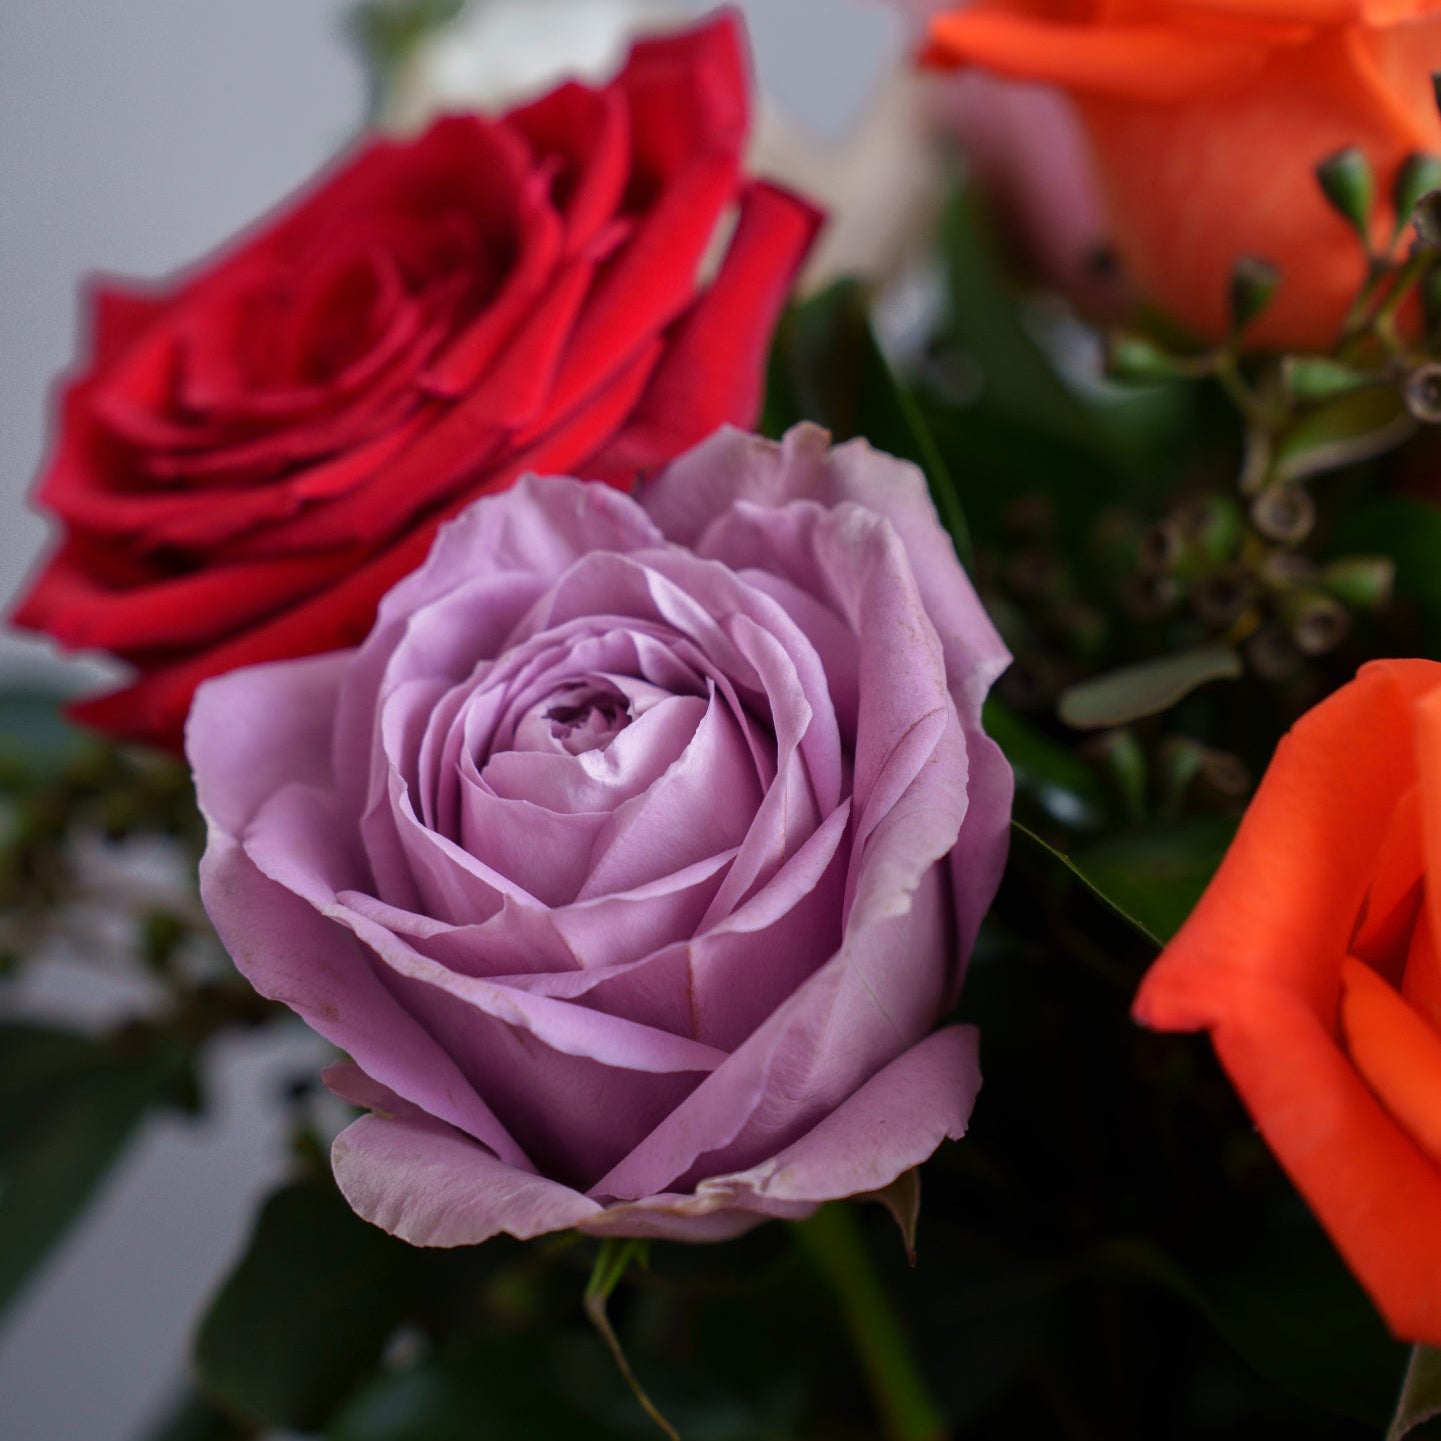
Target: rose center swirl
{"points": [[586, 717]]}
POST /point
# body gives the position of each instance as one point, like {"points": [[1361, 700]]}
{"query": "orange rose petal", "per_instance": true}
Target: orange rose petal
{"points": [[1412, 126], [1396, 1052], [1282, 908], [1421, 981], [1388, 920], [1259, 964], [1155, 63], [1320, 12], [1371, 1187], [1421, 985]]}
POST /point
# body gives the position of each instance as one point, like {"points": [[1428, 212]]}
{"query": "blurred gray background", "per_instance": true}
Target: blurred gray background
{"points": [[137, 136]]}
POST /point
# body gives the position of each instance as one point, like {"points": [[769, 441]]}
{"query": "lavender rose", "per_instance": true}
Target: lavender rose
{"points": [[634, 855]]}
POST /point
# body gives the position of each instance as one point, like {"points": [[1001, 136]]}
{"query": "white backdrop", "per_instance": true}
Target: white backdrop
{"points": [[135, 137]]}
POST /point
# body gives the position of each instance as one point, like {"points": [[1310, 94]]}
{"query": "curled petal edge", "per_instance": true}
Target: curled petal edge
{"points": [[427, 1184]]}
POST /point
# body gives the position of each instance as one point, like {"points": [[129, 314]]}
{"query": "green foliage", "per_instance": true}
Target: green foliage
{"points": [[505, 1389], [827, 367], [1147, 688], [304, 1316], [1155, 873], [1352, 427], [68, 1106], [1408, 531], [1418, 1416]]}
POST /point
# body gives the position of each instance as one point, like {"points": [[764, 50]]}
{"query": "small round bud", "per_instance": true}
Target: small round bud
{"points": [[1418, 175], [1426, 217], [1423, 394], [1272, 654], [1220, 598], [1284, 514], [1318, 623]]}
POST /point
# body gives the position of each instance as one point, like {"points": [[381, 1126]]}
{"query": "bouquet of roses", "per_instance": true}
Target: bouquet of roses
{"points": [[676, 651]]}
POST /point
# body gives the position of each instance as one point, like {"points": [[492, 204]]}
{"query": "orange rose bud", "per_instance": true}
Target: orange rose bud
{"points": [[1208, 118], [1314, 959]]}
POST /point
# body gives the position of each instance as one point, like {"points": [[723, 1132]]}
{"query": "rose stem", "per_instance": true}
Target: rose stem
{"points": [[832, 1242]]}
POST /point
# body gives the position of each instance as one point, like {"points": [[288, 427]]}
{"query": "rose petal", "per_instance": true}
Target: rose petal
{"points": [[429, 1185]]}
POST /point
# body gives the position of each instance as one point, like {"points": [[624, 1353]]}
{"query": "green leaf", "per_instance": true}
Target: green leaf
{"points": [[68, 1106], [304, 1316], [503, 1388], [985, 318], [1121, 425], [1285, 1302], [1342, 432], [1409, 532], [1043, 850], [1420, 1402], [1145, 689], [1156, 874], [1317, 377], [1064, 786], [826, 366]]}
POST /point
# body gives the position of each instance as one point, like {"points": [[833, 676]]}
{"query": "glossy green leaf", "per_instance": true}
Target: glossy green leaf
{"points": [[1346, 430], [302, 1319], [1418, 1415], [68, 1107], [1156, 874], [1148, 688]]}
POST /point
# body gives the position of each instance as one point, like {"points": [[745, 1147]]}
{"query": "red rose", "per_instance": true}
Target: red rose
{"points": [[256, 454]]}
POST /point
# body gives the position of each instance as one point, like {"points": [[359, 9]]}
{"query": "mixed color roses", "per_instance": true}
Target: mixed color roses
{"points": [[254, 455], [609, 782]]}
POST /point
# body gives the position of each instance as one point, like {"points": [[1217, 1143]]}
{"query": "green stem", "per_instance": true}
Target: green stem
{"points": [[1407, 279], [833, 1244]]}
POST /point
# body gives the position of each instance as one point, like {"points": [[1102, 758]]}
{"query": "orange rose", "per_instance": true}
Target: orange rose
{"points": [[1314, 959], [1207, 117]]}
